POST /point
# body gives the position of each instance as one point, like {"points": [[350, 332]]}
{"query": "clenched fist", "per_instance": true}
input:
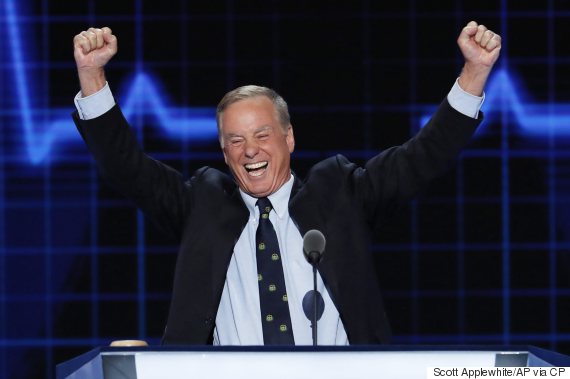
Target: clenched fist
{"points": [[480, 48], [479, 45], [92, 50]]}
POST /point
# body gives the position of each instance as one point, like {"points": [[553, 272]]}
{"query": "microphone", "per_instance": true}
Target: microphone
{"points": [[313, 247]]}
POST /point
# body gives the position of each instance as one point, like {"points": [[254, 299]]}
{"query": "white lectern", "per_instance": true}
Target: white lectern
{"points": [[296, 362]]}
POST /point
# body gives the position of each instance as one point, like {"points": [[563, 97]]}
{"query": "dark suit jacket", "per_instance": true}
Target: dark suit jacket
{"points": [[342, 200]]}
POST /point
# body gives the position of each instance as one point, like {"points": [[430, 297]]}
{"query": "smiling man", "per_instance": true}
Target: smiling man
{"points": [[257, 139], [241, 277]]}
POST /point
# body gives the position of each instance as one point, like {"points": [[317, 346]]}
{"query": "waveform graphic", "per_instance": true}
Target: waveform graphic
{"points": [[532, 119], [143, 96], [505, 93]]}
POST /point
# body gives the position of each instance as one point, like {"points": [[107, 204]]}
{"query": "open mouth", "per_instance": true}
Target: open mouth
{"points": [[256, 169]]}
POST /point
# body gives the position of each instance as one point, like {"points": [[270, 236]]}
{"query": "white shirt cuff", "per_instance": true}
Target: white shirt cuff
{"points": [[464, 102], [94, 105]]}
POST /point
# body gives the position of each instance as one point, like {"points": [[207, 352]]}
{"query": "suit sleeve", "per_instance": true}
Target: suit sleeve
{"points": [[157, 189], [397, 174]]}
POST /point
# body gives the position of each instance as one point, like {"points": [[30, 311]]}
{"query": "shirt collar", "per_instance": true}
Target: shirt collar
{"points": [[279, 199]]}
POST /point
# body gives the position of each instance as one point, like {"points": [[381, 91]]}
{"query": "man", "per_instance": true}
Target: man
{"points": [[221, 293]]}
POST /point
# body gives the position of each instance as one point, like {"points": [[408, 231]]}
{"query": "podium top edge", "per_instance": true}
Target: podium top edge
{"points": [[355, 348]]}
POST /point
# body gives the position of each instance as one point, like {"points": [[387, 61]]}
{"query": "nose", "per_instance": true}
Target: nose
{"points": [[251, 149]]}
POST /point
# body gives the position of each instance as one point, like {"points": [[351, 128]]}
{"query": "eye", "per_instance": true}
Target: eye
{"points": [[263, 136], [236, 142]]}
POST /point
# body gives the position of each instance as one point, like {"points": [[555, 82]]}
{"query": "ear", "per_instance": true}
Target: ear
{"points": [[290, 138]]}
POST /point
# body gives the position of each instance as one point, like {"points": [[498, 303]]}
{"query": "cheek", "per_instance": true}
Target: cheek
{"points": [[231, 157]]}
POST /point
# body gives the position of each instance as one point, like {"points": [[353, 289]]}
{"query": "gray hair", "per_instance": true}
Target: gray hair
{"points": [[249, 91]]}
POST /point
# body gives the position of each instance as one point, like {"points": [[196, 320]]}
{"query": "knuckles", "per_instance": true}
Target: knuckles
{"points": [[95, 38]]}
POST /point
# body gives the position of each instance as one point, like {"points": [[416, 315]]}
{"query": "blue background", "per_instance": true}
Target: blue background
{"points": [[483, 257]]}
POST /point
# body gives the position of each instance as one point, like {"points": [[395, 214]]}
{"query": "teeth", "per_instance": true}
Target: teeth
{"points": [[254, 166], [256, 169], [256, 173]]}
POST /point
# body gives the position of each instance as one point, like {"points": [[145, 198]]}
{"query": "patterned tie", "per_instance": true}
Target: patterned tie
{"points": [[275, 316]]}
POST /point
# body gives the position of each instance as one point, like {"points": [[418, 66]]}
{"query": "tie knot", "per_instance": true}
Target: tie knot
{"points": [[264, 205]]}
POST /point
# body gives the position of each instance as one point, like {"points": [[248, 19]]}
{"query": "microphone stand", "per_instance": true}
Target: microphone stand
{"points": [[314, 260], [314, 305], [313, 246]]}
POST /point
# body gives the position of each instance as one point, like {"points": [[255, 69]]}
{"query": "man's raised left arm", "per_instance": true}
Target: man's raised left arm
{"points": [[480, 48]]}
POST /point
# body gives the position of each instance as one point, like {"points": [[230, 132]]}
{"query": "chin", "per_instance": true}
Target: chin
{"points": [[253, 190], [260, 193]]}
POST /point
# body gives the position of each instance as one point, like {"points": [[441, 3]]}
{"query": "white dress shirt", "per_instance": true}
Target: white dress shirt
{"points": [[238, 321], [239, 317]]}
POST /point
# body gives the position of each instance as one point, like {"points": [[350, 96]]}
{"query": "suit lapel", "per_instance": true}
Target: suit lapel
{"points": [[306, 214], [303, 211], [232, 224]]}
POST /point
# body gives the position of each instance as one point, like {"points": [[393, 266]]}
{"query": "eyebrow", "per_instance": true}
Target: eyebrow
{"points": [[258, 130], [263, 129]]}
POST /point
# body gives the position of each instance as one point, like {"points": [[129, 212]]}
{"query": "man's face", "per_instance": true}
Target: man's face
{"points": [[256, 148]]}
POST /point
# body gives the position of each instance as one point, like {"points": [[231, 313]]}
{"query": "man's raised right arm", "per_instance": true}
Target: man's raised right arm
{"points": [[155, 188], [92, 49]]}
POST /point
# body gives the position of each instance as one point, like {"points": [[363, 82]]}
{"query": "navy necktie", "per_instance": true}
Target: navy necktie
{"points": [[275, 318]]}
